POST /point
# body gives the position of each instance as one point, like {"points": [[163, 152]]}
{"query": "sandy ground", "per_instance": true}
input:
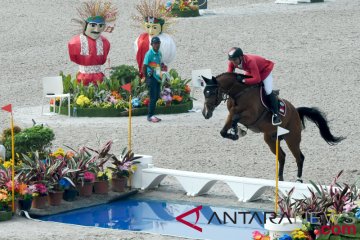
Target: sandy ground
{"points": [[316, 50]]}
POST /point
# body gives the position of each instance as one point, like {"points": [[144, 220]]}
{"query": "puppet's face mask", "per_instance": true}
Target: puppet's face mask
{"points": [[153, 29], [94, 29]]}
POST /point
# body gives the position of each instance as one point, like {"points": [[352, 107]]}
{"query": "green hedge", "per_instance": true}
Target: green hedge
{"points": [[112, 112], [185, 13]]}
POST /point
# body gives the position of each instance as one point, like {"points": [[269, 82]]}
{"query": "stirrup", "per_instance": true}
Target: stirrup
{"points": [[273, 121]]}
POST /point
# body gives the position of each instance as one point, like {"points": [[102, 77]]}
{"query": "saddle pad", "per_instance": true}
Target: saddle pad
{"points": [[282, 104]]}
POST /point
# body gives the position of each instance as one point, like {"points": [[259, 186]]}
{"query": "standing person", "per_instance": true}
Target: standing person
{"points": [[90, 49], [152, 70], [260, 70]]}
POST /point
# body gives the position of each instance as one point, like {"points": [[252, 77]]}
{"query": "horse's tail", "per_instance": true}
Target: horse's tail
{"points": [[317, 117]]}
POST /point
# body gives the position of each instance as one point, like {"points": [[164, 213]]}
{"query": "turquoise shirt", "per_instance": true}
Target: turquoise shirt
{"points": [[153, 61]]}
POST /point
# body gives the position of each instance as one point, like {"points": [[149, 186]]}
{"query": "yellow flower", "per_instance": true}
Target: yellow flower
{"points": [[59, 152], [108, 173], [82, 101], [7, 164], [100, 174]]}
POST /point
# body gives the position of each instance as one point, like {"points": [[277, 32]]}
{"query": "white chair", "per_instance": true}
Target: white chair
{"points": [[53, 88]]}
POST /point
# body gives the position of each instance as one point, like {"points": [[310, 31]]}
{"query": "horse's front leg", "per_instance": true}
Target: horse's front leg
{"points": [[228, 124]]}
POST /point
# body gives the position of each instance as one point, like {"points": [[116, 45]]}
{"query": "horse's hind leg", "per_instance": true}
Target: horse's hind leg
{"points": [[271, 141], [293, 142]]}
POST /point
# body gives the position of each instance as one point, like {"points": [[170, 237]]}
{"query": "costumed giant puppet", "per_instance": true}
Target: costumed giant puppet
{"points": [[155, 19], [90, 49]]}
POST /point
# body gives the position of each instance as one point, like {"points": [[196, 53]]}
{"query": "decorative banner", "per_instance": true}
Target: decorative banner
{"points": [[8, 108]]}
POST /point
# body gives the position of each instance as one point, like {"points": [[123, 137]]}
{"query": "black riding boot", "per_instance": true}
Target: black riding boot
{"points": [[274, 108]]}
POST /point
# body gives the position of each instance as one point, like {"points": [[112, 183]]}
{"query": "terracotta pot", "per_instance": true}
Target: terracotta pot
{"points": [[118, 184], [70, 194], [39, 202], [86, 189], [101, 187], [25, 204], [55, 198]]}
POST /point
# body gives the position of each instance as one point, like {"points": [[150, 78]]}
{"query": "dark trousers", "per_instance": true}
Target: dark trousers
{"points": [[154, 92]]}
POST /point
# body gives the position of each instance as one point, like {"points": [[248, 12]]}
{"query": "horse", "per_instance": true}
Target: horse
{"points": [[245, 106]]}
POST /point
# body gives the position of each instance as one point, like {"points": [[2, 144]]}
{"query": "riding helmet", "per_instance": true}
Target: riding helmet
{"points": [[235, 52]]}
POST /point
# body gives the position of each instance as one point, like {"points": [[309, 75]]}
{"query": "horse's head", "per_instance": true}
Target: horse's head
{"points": [[216, 89], [213, 97]]}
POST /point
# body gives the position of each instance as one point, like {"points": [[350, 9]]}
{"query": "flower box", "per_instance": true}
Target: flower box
{"points": [[185, 13], [112, 112], [5, 215]]}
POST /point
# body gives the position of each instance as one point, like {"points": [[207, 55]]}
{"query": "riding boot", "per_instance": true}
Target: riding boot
{"points": [[274, 108]]}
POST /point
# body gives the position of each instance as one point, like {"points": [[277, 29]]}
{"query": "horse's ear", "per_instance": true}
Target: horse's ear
{"points": [[206, 79]]}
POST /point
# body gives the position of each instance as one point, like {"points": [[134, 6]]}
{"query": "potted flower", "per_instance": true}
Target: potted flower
{"points": [[5, 210], [25, 197], [101, 184], [288, 221], [122, 169], [85, 189], [100, 158], [40, 195]]}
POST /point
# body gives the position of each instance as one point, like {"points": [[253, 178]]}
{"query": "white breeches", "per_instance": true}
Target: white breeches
{"points": [[268, 84]]}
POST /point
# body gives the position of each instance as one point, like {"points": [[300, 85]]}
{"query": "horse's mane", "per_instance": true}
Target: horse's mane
{"points": [[220, 75]]}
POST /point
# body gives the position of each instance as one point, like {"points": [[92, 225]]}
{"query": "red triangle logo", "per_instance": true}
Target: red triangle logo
{"points": [[181, 217]]}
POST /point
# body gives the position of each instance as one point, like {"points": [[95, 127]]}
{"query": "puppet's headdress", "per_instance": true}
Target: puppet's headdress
{"points": [[96, 11], [152, 11]]}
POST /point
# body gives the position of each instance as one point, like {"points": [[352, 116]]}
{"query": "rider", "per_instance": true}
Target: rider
{"points": [[259, 69]]}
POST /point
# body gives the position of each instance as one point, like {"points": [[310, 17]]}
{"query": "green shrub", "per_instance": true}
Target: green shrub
{"points": [[36, 138], [124, 74]]}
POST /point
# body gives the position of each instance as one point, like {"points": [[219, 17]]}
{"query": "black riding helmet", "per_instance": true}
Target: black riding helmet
{"points": [[235, 52]]}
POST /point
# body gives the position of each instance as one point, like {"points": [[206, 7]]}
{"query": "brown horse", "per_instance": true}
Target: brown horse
{"points": [[245, 106]]}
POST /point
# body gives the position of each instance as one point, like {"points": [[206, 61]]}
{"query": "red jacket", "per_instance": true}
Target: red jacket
{"points": [[255, 66]]}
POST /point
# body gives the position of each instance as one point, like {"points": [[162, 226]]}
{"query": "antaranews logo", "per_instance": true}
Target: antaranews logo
{"points": [[233, 217], [196, 210]]}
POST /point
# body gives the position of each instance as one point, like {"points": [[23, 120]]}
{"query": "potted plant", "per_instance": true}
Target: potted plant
{"points": [[101, 184], [288, 221], [100, 158], [122, 169], [86, 187], [25, 197], [40, 195], [5, 210]]}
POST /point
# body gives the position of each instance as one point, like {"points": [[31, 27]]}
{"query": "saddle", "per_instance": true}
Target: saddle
{"points": [[266, 104]]}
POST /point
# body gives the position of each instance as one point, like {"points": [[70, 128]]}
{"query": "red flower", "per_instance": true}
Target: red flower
{"points": [[146, 101]]}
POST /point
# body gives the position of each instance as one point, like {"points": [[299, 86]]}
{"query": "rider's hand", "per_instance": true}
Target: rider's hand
{"points": [[142, 80], [243, 81]]}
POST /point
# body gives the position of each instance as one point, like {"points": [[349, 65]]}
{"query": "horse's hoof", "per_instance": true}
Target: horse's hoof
{"points": [[223, 134], [299, 180], [234, 137], [242, 133]]}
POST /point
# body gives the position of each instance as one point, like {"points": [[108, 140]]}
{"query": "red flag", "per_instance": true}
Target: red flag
{"points": [[127, 87], [7, 108]]}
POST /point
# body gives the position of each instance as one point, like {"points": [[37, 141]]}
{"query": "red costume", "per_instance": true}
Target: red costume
{"points": [[90, 54], [255, 66], [143, 45]]}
